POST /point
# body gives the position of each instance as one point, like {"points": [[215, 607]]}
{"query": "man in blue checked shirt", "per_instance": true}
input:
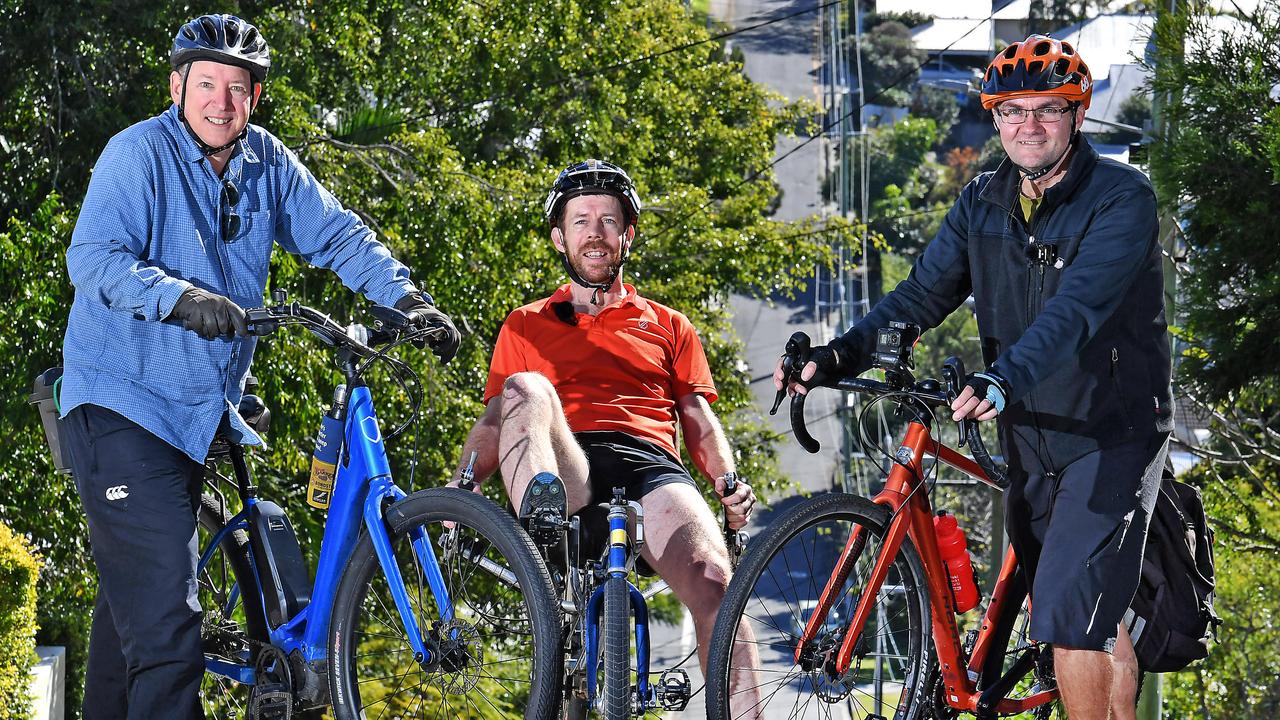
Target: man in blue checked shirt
{"points": [[173, 239]]}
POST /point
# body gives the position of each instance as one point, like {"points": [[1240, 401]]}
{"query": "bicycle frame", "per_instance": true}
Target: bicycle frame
{"points": [[362, 489], [911, 514]]}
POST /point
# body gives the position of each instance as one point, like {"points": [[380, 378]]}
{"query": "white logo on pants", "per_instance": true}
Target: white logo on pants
{"points": [[118, 492]]}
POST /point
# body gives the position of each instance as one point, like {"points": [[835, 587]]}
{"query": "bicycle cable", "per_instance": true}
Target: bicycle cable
{"points": [[930, 479]]}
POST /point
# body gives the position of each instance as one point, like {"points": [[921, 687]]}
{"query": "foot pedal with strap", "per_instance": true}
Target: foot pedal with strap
{"points": [[543, 509], [270, 701]]}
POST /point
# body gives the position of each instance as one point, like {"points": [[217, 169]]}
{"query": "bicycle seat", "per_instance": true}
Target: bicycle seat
{"points": [[255, 413]]}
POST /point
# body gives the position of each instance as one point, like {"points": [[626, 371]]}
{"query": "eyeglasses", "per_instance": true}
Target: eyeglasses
{"points": [[230, 220], [1046, 115]]}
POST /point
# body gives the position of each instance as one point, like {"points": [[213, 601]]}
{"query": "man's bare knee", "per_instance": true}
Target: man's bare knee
{"points": [[528, 393]]}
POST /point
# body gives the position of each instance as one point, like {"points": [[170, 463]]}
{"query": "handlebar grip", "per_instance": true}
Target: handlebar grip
{"points": [[798, 428], [970, 434], [983, 458], [730, 487]]}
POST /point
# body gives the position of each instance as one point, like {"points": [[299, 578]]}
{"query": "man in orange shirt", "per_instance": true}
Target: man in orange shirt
{"points": [[589, 384]]}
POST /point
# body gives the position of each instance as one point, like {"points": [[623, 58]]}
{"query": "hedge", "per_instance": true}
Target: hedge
{"points": [[19, 570]]}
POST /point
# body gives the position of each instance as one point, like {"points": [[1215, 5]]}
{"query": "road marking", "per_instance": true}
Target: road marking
{"points": [[688, 638]]}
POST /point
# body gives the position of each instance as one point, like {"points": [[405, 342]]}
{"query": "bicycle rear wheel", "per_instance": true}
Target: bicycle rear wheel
{"points": [[231, 631], [497, 656], [753, 671]]}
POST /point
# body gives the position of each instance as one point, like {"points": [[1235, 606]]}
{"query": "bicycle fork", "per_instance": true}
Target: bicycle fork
{"points": [[381, 489], [617, 570], [901, 518]]}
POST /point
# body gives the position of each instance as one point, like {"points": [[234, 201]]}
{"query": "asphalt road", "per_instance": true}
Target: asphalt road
{"points": [[782, 56]]}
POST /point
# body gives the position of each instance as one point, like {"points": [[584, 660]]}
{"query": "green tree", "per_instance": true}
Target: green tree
{"points": [[1135, 111], [903, 183], [440, 124], [890, 63], [1216, 165]]}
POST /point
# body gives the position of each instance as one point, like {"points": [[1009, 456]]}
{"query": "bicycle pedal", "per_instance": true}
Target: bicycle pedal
{"points": [[674, 690], [270, 702], [543, 509]]}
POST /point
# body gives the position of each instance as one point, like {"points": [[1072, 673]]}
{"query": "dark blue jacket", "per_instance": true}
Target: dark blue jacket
{"points": [[1070, 308]]}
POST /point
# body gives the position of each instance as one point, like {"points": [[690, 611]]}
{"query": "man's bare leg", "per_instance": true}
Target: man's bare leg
{"points": [[1124, 681], [1098, 685], [534, 437], [685, 545]]}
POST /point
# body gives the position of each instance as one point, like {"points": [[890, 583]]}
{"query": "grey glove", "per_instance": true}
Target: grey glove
{"points": [[422, 313], [208, 314]]}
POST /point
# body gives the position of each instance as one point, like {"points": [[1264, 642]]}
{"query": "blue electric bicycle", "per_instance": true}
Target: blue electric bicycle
{"points": [[435, 604]]}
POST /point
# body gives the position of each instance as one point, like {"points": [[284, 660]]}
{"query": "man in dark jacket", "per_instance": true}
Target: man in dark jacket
{"points": [[1058, 248]]}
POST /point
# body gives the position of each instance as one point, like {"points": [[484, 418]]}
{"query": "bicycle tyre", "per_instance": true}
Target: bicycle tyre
{"points": [[519, 657], [230, 630], [616, 650], [766, 607]]}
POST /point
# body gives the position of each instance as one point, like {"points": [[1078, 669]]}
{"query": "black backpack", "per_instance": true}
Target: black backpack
{"points": [[1171, 618]]}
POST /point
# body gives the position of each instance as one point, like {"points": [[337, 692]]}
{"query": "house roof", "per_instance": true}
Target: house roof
{"points": [[1109, 40], [954, 35], [1110, 92], [938, 8]]}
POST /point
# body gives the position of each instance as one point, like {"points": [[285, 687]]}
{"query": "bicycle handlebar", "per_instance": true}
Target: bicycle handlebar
{"points": [[928, 392], [359, 339]]}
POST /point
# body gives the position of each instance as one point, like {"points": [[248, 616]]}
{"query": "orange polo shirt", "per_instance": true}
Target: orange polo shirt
{"points": [[623, 369]]}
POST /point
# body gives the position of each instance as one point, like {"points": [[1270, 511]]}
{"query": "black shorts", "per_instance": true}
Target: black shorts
{"points": [[1080, 535], [617, 459]]}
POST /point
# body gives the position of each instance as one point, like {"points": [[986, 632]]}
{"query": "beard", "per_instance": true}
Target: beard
{"points": [[595, 271]]}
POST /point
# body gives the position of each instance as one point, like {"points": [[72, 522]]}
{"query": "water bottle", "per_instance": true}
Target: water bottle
{"points": [[324, 461], [955, 554]]}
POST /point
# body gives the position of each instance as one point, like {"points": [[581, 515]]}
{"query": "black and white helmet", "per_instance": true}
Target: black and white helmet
{"points": [[222, 39], [592, 177]]}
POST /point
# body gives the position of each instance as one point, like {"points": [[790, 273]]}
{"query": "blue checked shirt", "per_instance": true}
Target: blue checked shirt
{"points": [[150, 228]]}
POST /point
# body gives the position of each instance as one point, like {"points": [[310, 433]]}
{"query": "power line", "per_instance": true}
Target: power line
{"points": [[827, 126]]}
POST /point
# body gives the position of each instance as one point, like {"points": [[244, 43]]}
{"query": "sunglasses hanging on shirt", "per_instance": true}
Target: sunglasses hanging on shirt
{"points": [[230, 220]]}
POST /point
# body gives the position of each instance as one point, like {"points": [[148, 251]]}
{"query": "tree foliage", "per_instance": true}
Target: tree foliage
{"points": [[1225, 187], [441, 124], [890, 62]]}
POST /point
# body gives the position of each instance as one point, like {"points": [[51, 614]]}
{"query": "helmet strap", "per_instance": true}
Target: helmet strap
{"points": [[205, 147], [597, 290]]}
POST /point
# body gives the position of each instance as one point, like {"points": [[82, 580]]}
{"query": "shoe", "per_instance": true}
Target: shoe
{"points": [[543, 509]]}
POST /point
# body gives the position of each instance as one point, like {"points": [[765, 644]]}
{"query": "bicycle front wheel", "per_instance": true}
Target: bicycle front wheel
{"points": [[753, 669], [495, 646], [616, 649]]}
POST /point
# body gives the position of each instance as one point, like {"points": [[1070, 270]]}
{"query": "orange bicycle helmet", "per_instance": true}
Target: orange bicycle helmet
{"points": [[1039, 65]]}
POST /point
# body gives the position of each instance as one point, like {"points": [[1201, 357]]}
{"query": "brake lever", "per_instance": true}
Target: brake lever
{"points": [[734, 540], [954, 375], [794, 357], [262, 321]]}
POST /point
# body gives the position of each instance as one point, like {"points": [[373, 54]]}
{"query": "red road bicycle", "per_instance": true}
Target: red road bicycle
{"points": [[843, 606]]}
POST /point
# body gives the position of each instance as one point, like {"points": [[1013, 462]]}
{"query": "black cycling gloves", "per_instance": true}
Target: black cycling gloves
{"points": [[991, 387], [208, 314], [423, 314]]}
